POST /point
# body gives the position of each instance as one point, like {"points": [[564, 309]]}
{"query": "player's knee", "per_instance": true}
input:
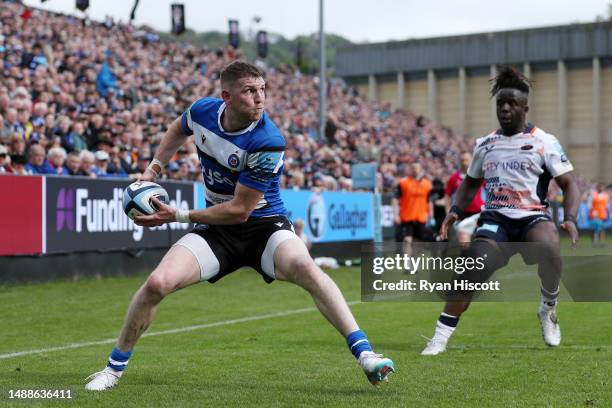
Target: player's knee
{"points": [[305, 271], [157, 286], [487, 257]]}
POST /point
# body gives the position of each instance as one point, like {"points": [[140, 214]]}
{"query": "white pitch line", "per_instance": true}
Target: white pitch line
{"points": [[170, 331]]}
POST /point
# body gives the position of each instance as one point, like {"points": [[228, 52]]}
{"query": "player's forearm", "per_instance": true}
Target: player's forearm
{"points": [[171, 141], [227, 213], [571, 199], [466, 192]]}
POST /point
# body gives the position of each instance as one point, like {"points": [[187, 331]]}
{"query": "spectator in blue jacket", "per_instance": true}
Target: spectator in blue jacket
{"points": [[37, 162]]}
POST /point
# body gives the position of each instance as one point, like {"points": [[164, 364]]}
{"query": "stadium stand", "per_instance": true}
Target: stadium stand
{"points": [[85, 86]]}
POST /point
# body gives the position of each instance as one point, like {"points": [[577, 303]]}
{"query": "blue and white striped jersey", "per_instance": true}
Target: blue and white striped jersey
{"points": [[253, 156]]}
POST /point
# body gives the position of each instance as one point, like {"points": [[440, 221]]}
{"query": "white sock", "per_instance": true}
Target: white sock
{"points": [[443, 331]]}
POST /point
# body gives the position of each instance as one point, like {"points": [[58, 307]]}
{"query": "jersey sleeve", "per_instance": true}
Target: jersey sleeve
{"points": [[186, 122], [555, 160], [195, 109], [475, 169], [262, 167]]}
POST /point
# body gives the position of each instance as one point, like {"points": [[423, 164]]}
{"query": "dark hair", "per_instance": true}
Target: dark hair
{"points": [[510, 77], [238, 69]]}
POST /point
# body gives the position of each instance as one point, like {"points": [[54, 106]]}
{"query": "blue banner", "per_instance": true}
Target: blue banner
{"points": [[327, 216], [332, 216]]}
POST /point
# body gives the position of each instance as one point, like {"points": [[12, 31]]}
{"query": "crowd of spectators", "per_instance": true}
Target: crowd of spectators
{"points": [[80, 98]]}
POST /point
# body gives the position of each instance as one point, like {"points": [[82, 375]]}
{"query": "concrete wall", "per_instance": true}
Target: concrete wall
{"points": [[571, 100]]}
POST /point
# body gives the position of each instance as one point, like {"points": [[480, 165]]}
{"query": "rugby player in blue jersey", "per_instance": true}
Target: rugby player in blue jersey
{"points": [[244, 224]]}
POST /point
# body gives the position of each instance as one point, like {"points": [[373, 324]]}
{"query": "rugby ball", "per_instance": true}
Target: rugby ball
{"points": [[137, 198]]}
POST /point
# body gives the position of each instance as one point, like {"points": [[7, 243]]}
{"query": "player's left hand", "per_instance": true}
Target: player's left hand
{"points": [[164, 214], [570, 227]]}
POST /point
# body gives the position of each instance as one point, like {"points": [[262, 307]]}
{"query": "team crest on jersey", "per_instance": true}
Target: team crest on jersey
{"points": [[233, 160]]}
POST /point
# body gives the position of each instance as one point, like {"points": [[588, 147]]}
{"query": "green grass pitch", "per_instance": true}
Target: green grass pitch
{"points": [[497, 357]]}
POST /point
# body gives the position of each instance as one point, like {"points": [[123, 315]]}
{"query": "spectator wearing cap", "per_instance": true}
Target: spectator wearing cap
{"points": [[87, 163], [57, 157], [101, 167], [101, 164], [37, 163], [74, 141], [38, 132], [173, 171], [142, 163]]}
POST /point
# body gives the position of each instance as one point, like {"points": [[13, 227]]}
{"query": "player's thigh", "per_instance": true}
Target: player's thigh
{"points": [[292, 259], [179, 268], [542, 243], [543, 231]]}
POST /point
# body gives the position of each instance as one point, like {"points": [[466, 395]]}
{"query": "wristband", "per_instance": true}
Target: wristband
{"points": [[153, 163], [182, 216]]}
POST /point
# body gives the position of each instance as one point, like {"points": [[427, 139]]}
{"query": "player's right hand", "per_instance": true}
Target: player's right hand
{"points": [[446, 224], [147, 175]]}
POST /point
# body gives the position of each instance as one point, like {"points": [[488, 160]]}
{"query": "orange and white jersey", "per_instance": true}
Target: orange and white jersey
{"points": [[517, 170]]}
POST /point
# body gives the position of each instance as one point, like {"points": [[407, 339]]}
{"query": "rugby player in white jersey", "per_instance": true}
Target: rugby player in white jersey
{"points": [[241, 151], [516, 163]]}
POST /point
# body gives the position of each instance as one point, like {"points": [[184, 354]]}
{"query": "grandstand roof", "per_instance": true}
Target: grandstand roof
{"points": [[544, 44]]}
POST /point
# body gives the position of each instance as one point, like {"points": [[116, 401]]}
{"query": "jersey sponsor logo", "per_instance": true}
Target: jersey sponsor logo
{"points": [[215, 177], [508, 165], [279, 224], [233, 160], [526, 147]]}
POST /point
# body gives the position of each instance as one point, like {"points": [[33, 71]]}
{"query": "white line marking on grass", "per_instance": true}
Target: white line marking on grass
{"points": [[170, 331], [501, 347]]}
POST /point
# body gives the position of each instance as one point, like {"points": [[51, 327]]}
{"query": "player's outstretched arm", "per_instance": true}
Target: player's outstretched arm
{"points": [[170, 143], [571, 202], [235, 211]]}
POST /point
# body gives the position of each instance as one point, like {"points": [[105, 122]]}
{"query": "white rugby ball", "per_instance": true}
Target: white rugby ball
{"points": [[137, 198]]}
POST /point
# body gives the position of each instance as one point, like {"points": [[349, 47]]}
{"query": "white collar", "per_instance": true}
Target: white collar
{"points": [[239, 132]]}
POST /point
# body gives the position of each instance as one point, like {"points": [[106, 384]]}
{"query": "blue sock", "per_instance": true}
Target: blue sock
{"points": [[118, 360], [358, 343]]}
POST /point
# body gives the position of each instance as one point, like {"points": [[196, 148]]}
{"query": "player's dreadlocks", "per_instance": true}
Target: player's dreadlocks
{"points": [[510, 77]]}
